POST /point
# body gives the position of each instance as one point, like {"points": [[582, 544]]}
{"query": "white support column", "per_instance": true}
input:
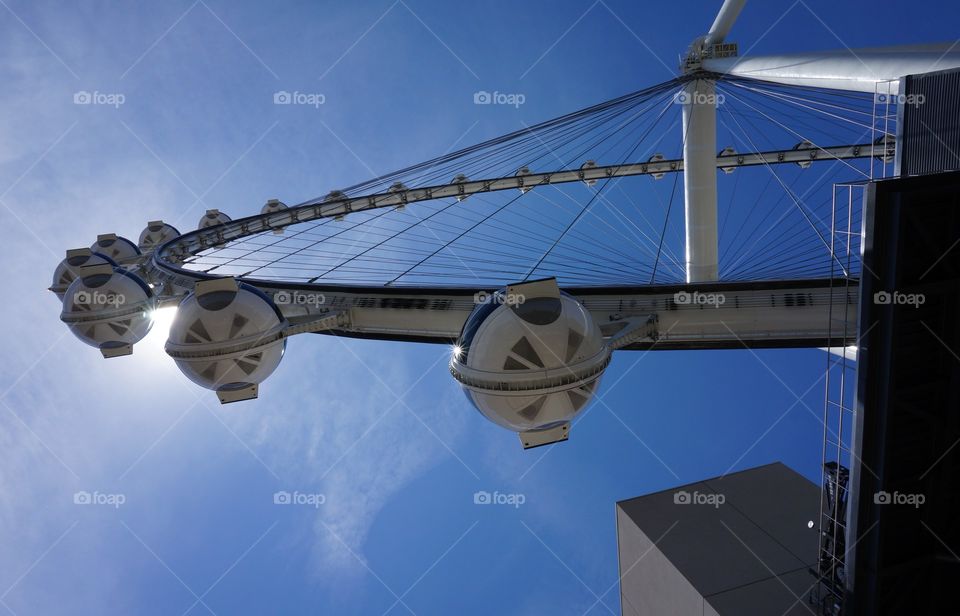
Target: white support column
{"points": [[700, 179], [724, 22], [857, 70]]}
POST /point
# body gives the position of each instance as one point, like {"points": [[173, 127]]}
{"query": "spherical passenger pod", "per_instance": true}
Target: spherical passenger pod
{"points": [[530, 357], [460, 179], [587, 166], [120, 249], [227, 337], [156, 233], [521, 173], [656, 158], [887, 143], [109, 308], [68, 269], [399, 188], [213, 218], [727, 151], [273, 206], [805, 145]]}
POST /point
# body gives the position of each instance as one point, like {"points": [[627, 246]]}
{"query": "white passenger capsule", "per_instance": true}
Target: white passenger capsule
{"points": [[68, 269], [657, 158], [727, 151], [272, 207], [590, 164], [212, 218], [521, 173], [156, 233], [806, 145], [460, 179], [228, 337], [108, 308], [530, 358], [120, 249]]}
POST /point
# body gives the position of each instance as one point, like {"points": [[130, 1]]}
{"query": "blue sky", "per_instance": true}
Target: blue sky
{"points": [[379, 429]]}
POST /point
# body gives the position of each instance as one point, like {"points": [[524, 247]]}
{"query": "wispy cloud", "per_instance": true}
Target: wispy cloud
{"points": [[345, 435]]}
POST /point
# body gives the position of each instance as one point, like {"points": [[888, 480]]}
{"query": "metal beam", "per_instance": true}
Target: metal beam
{"points": [[715, 316], [701, 248], [700, 180], [724, 22], [169, 255], [857, 70], [773, 314]]}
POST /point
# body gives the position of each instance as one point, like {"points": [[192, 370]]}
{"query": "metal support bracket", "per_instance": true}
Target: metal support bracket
{"points": [[539, 438]]}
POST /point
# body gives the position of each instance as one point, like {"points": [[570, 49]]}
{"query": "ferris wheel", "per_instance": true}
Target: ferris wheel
{"points": [[535, 255]]}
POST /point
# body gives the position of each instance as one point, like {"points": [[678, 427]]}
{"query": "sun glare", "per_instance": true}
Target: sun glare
{"points": [[162, 320]]}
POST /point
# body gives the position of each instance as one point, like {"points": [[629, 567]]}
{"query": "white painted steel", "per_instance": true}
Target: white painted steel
{"points": [[724, 22], [700, 179], [856, 70]]}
